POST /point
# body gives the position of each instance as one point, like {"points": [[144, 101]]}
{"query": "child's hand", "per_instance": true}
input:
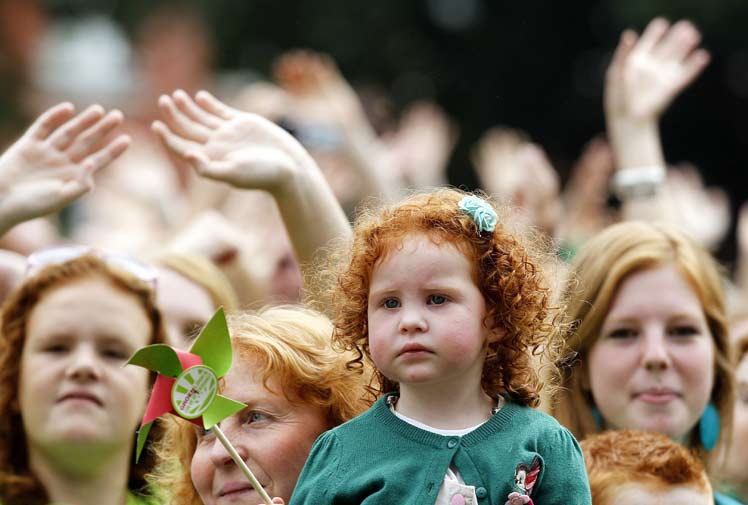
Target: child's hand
{"points": [[222, 143], [648, 72], [53, 163], [518, 499], [275, 500]]}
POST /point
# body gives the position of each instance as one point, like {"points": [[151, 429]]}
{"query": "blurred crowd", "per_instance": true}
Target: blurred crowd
{"points": [[144, 163]]}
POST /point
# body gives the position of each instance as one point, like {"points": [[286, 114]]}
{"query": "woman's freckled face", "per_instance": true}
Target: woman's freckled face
{"points": [[652, 367], [73, 387], [273, 435]]}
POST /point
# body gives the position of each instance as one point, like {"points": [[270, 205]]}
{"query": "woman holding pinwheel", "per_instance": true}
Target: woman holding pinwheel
{"points": [[294, 386], [68, 407]]}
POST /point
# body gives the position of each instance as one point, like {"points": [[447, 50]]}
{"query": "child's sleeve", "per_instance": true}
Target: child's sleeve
{"points": [[318, 479], [564, 478]]}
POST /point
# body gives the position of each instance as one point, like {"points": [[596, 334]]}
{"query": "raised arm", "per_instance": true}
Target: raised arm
{"points": [[249, 152], [53, 163], [315, 80], [646, 74]]}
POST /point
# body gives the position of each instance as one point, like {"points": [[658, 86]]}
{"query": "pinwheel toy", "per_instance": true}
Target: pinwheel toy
{"points": [[187, 386]]}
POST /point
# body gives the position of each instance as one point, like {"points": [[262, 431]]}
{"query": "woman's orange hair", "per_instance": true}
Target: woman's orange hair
{"points": [[290, 344]]}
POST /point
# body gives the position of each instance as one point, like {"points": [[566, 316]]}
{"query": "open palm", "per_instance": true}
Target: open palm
{"points": [[53, 163], [226, 144]]}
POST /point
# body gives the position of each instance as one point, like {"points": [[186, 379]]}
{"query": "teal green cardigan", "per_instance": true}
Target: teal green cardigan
{"points": [[378, 458]]}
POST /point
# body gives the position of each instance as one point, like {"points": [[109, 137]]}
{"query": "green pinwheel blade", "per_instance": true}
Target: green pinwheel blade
{"points": [[158, 358], [142, 437], [213, 344], [220, 409]]}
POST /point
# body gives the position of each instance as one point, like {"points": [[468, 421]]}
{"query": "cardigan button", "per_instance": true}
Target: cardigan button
{"points": [[481, 492], [452, 443]]}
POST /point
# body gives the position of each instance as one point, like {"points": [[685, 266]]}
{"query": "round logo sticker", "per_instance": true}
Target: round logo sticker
{"points": [[193, 391]]}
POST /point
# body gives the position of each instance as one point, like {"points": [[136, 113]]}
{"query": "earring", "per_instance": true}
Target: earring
{"points": [[597, 416], [709, 426]]}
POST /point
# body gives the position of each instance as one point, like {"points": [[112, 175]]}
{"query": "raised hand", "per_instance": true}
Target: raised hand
{"points": [[423, 144], [53, 163], [314, 77], [648, 72], [324, 97], [517, 171], [249, 152], [229, 145], [704, 213]]}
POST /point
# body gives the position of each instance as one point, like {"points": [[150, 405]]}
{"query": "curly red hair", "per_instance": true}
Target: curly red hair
{"points": [[615, 458], [520, 314]]}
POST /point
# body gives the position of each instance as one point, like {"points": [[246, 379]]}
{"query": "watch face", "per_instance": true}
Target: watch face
{"points": [[194, 391]]}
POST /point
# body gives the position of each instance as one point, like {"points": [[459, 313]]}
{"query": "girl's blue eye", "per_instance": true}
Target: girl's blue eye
{"points": [[437, 299], [391, 303]]}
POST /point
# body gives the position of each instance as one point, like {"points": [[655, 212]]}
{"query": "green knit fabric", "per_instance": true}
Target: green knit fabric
{"points": [[378, 458]]}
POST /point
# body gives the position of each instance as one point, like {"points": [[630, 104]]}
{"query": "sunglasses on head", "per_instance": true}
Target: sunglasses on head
{"points": [[58, 255]]}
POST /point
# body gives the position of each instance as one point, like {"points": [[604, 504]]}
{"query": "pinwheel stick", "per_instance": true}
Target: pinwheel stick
{"points": [[240, 462]]}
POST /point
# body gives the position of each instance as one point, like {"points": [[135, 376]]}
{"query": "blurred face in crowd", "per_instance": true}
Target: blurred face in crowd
{"points": [[73, 387], [638, 494], [273, 435], [652, 367], [185, 305]]}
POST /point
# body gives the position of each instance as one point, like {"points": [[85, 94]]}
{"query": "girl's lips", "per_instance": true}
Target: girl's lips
{"points": [[413, 350]]}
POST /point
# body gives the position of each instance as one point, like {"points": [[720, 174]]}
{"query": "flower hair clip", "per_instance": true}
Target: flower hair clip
{"points": [[480, 211]]}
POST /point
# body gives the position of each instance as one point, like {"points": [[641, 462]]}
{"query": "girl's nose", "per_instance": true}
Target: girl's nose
{"points": [[412, 320]]}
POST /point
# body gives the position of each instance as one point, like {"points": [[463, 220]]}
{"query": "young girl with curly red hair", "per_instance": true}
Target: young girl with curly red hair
{"points": [[451, 307]]}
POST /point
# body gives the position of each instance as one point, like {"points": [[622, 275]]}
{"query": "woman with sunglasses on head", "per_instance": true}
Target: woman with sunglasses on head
{"points": [[69, 409]]}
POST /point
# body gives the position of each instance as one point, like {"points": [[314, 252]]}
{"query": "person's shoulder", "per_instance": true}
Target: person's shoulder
{"points": [[544, 429], [533, 418], [362, 421]]}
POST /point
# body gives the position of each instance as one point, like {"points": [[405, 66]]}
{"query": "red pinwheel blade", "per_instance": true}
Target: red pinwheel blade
{"points": [[160, 401]]}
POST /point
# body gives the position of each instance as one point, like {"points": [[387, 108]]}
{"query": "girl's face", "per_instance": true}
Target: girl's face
{"points": [[652, 367], [425, 316], [73, 387], [272, 435]]}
